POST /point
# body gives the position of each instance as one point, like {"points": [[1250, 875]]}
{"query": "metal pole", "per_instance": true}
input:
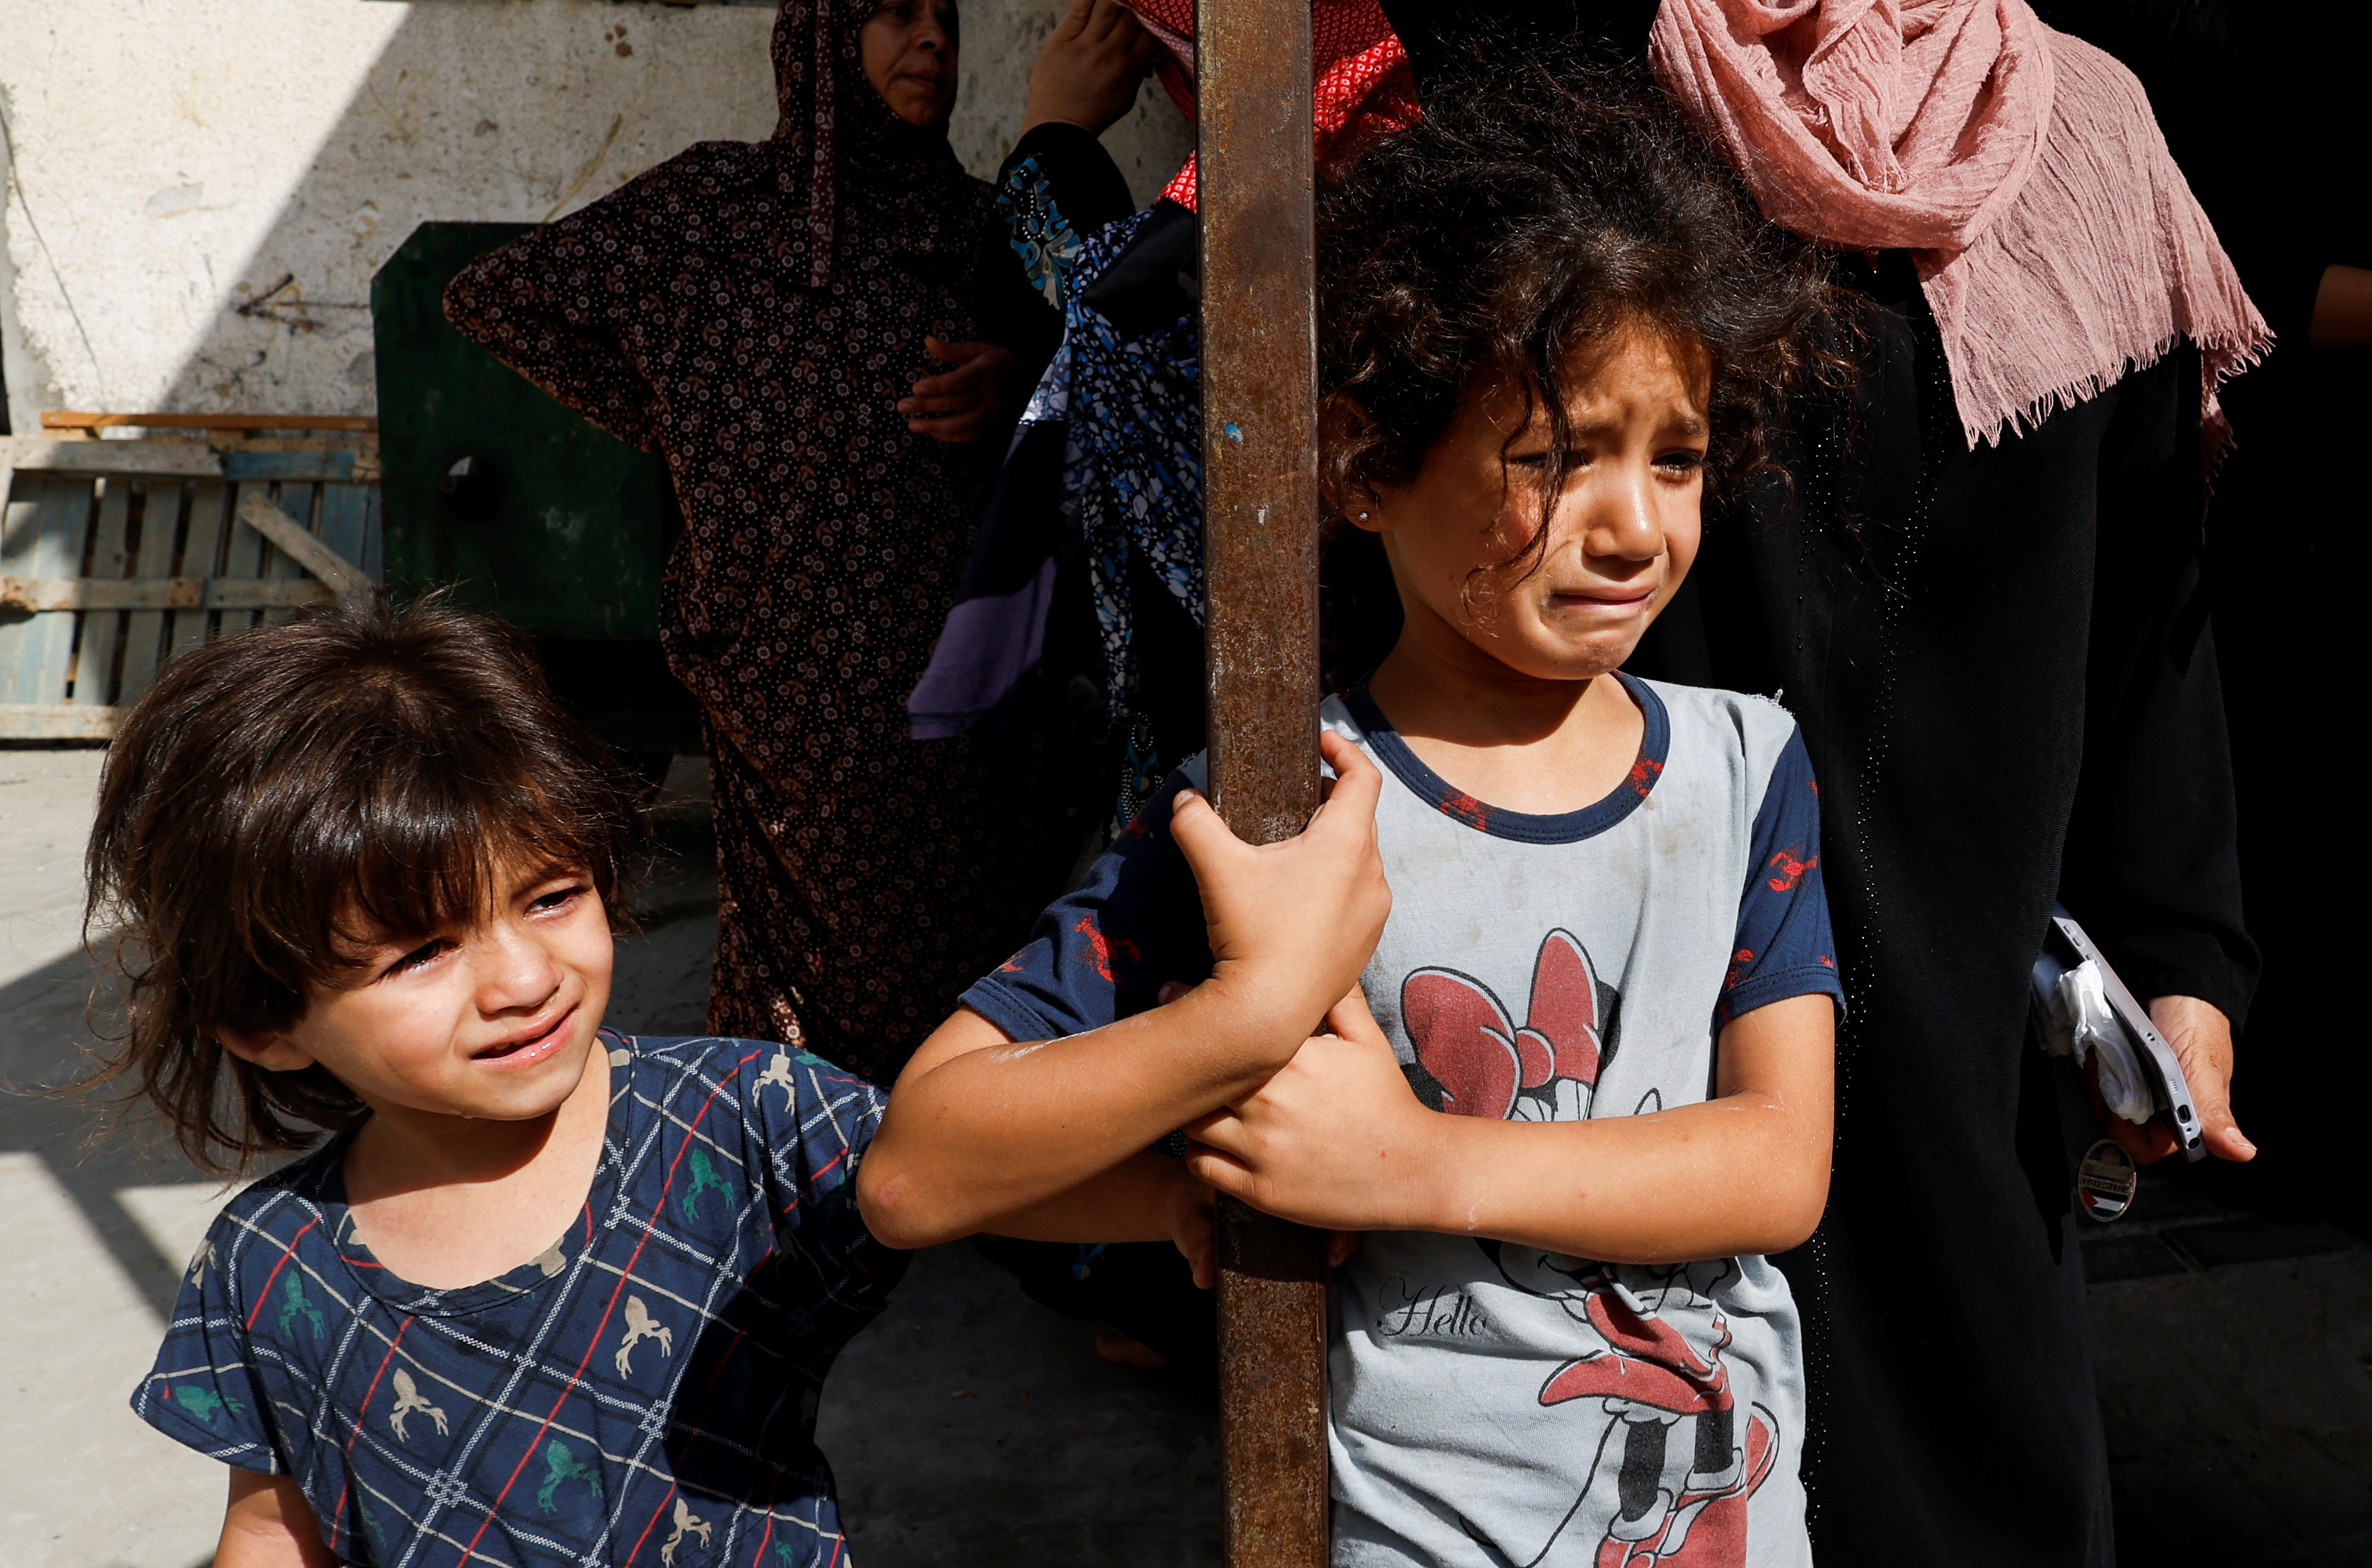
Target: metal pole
{"points": [[1260, 494]]}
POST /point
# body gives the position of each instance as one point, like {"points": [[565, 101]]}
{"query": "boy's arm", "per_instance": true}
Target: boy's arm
{"points": [[980, 1128], [268, 1524], [1338, 1140]]}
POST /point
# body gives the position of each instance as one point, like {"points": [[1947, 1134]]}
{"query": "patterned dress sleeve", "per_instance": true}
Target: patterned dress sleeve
{"points": [[206, 1390], [549, 305], [1012, 313], [1783, 947], [1103, 952], [1058, 186]]}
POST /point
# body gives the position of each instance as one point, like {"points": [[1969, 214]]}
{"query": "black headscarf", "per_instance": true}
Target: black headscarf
{"points": [[836, 140]]}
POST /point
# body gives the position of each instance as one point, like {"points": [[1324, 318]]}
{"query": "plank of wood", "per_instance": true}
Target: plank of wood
{"points": [[347, 522], [298, 540], [20, 527], [103, 630], [92, 595], [342, 523], [185, 459], [299, 502], [374, 552], [56, 721], [67, 419], [1260, 498], [311, 467], [162, 504], [38, 658], [244, 553], [202, 552]]}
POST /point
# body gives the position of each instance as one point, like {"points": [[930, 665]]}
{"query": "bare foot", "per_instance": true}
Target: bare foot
{"points": [[1122, 1350]]}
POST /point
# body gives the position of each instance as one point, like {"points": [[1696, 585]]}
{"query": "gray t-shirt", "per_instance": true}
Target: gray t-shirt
{"points": [[1494, 1404]]}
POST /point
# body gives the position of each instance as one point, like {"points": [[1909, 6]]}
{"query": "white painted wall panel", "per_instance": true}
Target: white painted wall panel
{"points": [[175, 159]]}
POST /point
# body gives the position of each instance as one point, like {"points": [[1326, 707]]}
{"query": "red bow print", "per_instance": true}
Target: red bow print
{"points": [[1481, 1059]]}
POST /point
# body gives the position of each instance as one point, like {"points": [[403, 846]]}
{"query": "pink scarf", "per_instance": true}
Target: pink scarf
{"points": [[2057, 243]]}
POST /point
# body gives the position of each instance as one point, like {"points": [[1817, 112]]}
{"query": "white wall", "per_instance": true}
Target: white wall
{"points": [[174, 159]]}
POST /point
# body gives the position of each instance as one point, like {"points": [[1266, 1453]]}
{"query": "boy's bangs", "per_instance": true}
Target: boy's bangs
{"points": [[418, 824], [429, 855]]}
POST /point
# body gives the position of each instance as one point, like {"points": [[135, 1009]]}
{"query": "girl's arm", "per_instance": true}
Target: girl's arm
{"points": [[983, 1133], [981, 1129], [1338, 1140], [1148, 1197], [268, 1524]]}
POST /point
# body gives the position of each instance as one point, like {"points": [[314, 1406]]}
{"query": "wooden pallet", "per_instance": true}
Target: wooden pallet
{"points": [[116, 555]]}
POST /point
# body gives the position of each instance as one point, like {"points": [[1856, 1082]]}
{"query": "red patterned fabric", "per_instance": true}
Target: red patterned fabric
{"points": [[1363, 87]]}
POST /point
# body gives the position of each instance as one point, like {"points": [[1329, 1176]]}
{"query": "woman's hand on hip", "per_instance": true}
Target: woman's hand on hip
{"points": [[964, 403]]}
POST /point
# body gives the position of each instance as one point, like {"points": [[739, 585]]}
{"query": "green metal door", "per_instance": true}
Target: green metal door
{"points": [[555, 525], [520, 507]]}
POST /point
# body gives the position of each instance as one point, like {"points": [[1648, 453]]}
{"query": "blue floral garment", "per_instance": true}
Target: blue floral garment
{"points": [[1134, 470], [1043, 234], [643, 1392], [1136, 421], [1108, 452]]}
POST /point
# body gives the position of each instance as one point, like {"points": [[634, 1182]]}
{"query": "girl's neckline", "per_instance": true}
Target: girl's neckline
{"points": [[1522, 827], [512, 1283]]}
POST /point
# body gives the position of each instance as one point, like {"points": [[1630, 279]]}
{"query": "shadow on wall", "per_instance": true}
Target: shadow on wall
{"points": [[1001, 40], [201, 197], [202, 193], [488, 111]]}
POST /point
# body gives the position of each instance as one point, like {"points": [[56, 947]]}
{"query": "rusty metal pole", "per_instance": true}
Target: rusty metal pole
{"points": [[1259, 532]]}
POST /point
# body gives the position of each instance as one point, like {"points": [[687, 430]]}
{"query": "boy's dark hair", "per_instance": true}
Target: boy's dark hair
{"points": [[281, 792], [1537, 209]]}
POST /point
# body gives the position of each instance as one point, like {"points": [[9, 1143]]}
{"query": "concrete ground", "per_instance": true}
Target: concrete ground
{"points": [[970, 1425]]}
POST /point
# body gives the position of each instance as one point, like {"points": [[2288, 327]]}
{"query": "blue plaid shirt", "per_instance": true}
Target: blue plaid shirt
{"points": [[642, 1392]]}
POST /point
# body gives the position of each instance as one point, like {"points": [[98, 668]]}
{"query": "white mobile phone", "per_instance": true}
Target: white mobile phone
{"points": [[2160, 1064]]}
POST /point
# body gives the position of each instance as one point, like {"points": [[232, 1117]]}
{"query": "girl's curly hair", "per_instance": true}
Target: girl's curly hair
{"points": [[1535, 210]]}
